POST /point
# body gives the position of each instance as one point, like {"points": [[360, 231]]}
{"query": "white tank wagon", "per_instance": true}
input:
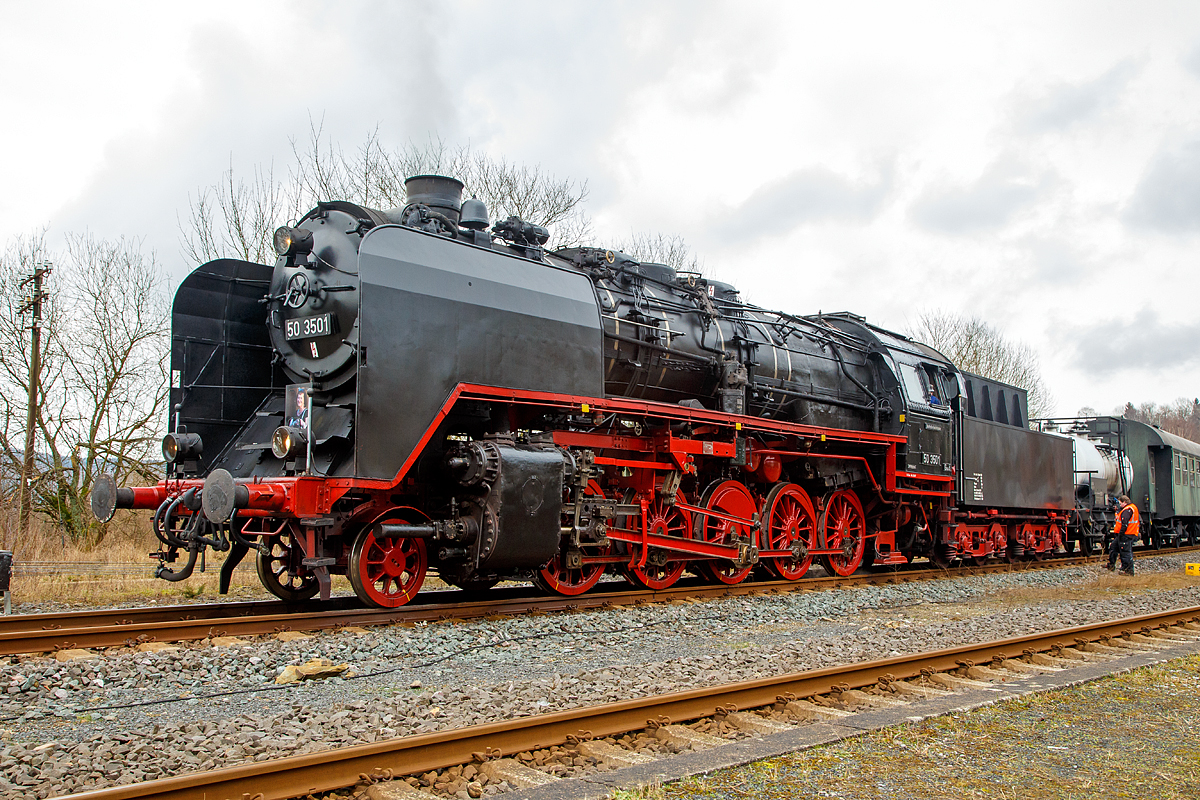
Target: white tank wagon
{"points": [[1102, 473]]}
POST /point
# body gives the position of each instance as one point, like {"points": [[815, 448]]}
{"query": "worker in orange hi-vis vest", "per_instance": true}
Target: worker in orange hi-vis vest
{"points": [[1126, 532]]}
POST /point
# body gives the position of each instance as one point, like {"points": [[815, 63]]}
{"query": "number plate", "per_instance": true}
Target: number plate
{"points": [[308, 327]]}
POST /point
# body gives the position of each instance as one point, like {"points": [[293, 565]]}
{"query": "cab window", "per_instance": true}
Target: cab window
{"points": [[914, 383], [921, 386]]}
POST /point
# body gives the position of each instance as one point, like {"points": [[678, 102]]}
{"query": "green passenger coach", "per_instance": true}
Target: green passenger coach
{"points": [[1166, 479]]}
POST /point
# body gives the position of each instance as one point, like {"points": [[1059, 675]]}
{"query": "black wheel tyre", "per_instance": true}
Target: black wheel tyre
{"points": [[941, 556], [275, 571]]}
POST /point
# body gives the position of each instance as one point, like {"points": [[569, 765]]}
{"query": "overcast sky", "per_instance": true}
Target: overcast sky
{"points": [[1035, 164]]}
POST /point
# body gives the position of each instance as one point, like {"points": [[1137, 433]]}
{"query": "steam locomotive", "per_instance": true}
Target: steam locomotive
{"points": [[419, 387]]}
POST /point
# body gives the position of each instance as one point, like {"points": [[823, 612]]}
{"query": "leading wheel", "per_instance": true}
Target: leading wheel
{"points": [[733, 500], [389, 572], [845, 529], [557, 578], [661, 569], [790, 524], [280, 571]]}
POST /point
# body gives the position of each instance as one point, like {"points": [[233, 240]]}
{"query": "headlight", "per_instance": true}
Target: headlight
{"points": [[293, 241], [288, 441], [181, 445]]}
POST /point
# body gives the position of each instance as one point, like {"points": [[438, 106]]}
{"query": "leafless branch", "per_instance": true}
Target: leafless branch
{"points": [[977, 347]]}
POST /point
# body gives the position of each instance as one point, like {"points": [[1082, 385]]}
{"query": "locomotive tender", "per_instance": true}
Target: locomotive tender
{"points": [[418, 388]]}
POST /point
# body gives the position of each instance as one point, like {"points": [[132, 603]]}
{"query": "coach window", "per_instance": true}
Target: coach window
{"points": [[1178, 471]]}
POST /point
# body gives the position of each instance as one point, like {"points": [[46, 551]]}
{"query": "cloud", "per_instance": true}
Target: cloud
{"points": [[1066, 104], [990, 202], [1143, 343], [808, 195], [1191, 62], [1167, 198], [1057, 261]]}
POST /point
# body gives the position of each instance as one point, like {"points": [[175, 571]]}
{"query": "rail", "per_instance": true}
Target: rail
{"points": [[297, 776], [43, 633]]}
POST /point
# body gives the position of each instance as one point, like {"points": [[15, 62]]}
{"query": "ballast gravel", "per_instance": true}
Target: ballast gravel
{"points": [[127, 716]]}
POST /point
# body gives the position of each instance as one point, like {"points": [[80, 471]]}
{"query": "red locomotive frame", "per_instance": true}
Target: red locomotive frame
{"points": [[748, 513]]}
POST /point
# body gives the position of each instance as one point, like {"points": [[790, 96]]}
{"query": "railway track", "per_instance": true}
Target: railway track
{"points": [[298, 776], [40, 633]]}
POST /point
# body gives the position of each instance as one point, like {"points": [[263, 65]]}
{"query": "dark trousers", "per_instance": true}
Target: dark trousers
{"points": [[1122, 545]]}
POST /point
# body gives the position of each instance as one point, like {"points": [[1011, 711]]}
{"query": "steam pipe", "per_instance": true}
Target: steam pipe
{"points": [[168, 574], [660, 348]]}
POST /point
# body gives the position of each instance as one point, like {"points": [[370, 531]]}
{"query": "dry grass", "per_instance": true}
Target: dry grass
{"points": [[1105, 585], [127, 543], [1129, 735]]}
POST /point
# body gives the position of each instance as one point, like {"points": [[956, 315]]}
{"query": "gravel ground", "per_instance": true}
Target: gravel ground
{"points": [[130, 716], [1131, 735]]}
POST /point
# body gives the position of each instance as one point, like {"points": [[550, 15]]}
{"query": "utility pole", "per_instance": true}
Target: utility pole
{"points": [[34, 304]]}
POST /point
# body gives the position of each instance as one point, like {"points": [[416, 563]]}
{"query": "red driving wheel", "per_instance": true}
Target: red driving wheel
{"points": [[845, 529], [661, 520], [554, 577], [732, 499], [788, 519]]}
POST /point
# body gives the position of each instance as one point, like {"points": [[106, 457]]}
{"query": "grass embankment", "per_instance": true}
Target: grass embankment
{"points": [[116, 569], [1130, 735]]}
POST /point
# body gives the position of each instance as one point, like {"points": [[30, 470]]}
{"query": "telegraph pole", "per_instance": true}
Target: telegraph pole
{"points": [[34, 304]]}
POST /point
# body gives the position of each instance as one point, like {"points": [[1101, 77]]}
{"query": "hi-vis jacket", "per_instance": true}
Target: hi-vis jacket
{"points": [[1128, 521]]}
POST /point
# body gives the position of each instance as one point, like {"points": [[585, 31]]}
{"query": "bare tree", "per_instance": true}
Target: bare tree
{"points": [[103, 377], [236, 217], [1181, 417], [658, 248], [977, 347], [16, 264]]}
